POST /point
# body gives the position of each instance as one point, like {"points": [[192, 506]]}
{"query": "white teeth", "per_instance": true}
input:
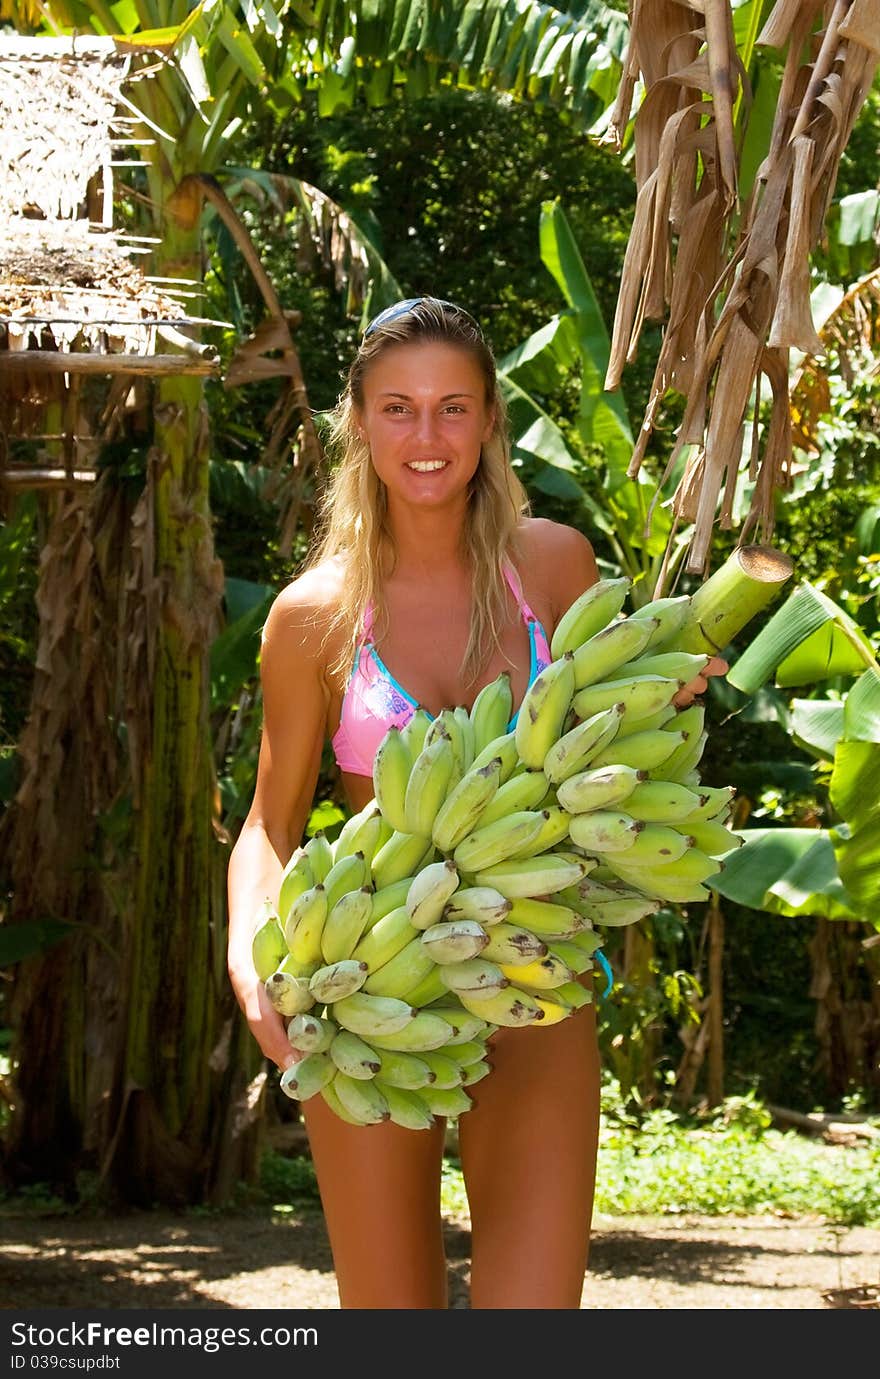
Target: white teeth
{"points": [[425, 466]]}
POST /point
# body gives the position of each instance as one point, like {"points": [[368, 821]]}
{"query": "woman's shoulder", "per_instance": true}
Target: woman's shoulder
{"points": [[557, 558], [301, 614]]}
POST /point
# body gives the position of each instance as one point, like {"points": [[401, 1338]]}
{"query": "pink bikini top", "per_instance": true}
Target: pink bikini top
{"points": [[374, 701]]}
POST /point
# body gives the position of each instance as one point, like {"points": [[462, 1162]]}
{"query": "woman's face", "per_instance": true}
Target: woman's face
{"points": [[425, 417]]}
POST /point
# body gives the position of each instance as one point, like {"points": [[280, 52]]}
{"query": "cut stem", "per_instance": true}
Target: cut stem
{"points": [[749, 580]]}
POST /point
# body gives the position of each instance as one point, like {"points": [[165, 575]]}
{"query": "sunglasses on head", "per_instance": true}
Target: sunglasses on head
{"points": [[392, 312]]}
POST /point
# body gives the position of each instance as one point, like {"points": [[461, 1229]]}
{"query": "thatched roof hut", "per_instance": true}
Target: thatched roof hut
{"points": [[79, 320]]}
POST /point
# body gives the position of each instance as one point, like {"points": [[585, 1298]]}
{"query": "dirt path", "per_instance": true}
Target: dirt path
{"points": [[260, 1261]]}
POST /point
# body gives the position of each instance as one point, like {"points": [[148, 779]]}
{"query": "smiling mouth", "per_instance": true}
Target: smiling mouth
{"points": [[426, 466]]}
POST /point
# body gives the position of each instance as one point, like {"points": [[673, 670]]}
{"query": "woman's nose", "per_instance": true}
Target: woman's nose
{"points": [[426, 425]]}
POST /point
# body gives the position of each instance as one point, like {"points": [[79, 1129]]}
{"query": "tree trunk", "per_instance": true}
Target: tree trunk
{"points": [[715, 1013], [846, 986]]}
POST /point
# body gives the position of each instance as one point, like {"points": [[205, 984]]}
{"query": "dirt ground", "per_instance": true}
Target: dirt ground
{"points": [[162, 1260]]}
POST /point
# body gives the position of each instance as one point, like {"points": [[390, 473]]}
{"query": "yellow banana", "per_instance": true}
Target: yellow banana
{"points": [[599, 787], [662, 802], [363, 1100], [268, 946], [482, 903], [408, 1071], [464, 804], [336, 980], [542, 974], [640, 695], [425, 1031], [588, 614], [532, 876], [603, 654], [305, 924], [605, 830], [544, 710], [491, 712], [454, 940], [309, 1033], [391, 767], [511, 1008], [428, 783], [306, 1078], [473, 974], [386, 938], [373, 1017], [402, 855], [429, 892], [524, 791], [512, 945], [642, 750], [406, 1108], [345, 924], [494, 842], [574, 750], [354, 1056]]}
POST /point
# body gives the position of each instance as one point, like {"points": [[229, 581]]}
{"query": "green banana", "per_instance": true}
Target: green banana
{"points": [[374, 1017], [306, 1078], [429, 892], [345, 924], [715, 803], [603, 654], [482, 903], [679, 764], [428, 783], [473, 974], [415, 730], [574, 751], [348, 874], [656, 844], [448, 1072], [320, 853], [662, 883], [454, 940], [353, 1055], [468, 1052], [309, 1033], [605, 830], [678, 665], [553, 830], [408, 1071], [388, 899], [463, 719], [268, 946], [363, 1100], [496, 841], [406, 1108], [289, 994], [512, 945], [546, 919], [572, 955], [574, 994], [524, 791], [662, 802], [447, 722], [511, 1008], [305, 924], [599, 787], [464, 804], [335, 980], [386, 938], [712, 837], [402, 855], [296, 877], [491, 711], [402, 973], [544, 710], [364, 832], [669, 614], [588, 614], [640, 695], [425, 1031], [427, 991], [652, 720], [644, 751], [475, 1072], [447, 1101], [532, 876], [465, 1025], [502, 747], [391, 767], [331, 1097]]}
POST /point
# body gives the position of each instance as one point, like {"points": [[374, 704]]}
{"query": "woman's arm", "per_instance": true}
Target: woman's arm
{"points": [[294, 720]]}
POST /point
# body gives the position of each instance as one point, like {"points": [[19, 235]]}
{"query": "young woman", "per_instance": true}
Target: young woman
{"points": [[430, 579]]}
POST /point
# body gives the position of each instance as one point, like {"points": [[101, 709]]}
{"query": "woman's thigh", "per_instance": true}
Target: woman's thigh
{"points": [[528, 1154], [380, 1191]]}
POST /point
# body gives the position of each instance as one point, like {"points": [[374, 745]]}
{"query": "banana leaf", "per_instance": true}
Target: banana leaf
{"points": [[25, 940], [817, 725], [786, 871], [806, 611], [855, 797], [235, 652]]}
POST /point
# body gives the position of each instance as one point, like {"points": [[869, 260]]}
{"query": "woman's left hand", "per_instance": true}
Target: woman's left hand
{"points": [[688, 693]]}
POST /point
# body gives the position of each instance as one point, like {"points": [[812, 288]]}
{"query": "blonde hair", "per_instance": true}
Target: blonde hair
{"points": [[353, 511]]}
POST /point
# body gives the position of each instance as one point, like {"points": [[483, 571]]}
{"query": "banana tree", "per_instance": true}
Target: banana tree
{"points": [[168, 1106]]}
